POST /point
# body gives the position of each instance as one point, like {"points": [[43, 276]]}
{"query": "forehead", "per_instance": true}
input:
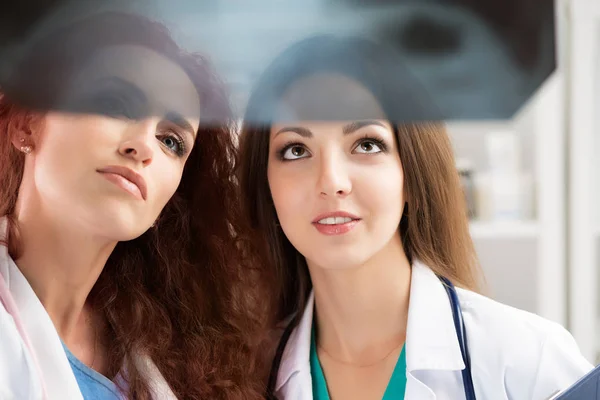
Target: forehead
{"points": [[166, 86], [327, 97], [331, 128]]}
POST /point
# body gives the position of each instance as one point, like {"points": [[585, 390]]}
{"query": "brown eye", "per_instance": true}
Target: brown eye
{"points": [[294, 152], [368, 146], [297, 151]]}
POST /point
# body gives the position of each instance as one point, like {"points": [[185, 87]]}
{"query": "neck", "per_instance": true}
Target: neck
{"points": [[61, 262], [361, 312]]}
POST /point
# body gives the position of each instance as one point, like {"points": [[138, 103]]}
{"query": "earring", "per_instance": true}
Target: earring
{"points": [[26, 149]]}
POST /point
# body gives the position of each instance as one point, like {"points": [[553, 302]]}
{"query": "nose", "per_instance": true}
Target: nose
{"points": [[138, 140], [334, 179]]}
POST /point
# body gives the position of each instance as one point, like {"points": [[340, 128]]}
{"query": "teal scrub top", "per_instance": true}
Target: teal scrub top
{"points": [[395, 388]]}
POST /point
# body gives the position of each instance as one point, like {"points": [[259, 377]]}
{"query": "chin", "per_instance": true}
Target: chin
{"points": [[343, 261], [121, 228]]}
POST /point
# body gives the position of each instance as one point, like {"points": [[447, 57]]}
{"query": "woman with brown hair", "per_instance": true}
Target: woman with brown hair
{"points": [[359, 202], [124, 269]]}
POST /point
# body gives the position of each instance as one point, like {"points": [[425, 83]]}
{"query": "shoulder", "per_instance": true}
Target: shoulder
{"points": [[535, 356], [498, 317]]}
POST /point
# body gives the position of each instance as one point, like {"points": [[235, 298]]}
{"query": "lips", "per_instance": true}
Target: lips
{"points": [[336, 217], [127, 179], [335, 223]]}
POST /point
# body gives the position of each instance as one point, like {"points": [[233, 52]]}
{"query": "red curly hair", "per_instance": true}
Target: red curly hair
{"points": [[187, 293]]}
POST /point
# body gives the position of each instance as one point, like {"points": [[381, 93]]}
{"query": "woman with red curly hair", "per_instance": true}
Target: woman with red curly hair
{"points": [[124, 265]]}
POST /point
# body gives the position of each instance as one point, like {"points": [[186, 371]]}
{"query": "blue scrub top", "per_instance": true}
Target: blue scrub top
{"points": [[92, 384]]}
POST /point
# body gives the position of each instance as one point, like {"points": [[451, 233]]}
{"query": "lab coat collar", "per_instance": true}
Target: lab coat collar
{"points": [[296, 355], [43, 340], [3, 249], [431, 340], [46, 348]]}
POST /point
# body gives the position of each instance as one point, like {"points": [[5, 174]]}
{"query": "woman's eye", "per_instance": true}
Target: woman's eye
{"points": [[174, 144], [368, 147], [294, 153]]}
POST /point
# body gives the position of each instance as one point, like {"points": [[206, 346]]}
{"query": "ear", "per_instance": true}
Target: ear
{"points": [[22, 129]]}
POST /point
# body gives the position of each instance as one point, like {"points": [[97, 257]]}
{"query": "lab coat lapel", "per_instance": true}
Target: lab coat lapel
{"points": [[159, 388], [431, 340], [415, 389], [296, 359], [59, 381]]}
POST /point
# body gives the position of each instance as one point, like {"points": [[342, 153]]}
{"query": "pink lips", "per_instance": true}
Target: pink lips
{"points": [[126, 179], [344, 223]]}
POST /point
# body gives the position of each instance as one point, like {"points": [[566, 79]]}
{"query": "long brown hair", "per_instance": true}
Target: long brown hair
{"points": [[185, 293], [434, 227]]}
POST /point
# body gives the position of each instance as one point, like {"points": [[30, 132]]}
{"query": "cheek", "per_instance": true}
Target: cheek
{"points": [[286, 192], [70, 141], [166, 177], [383, 192], [65, 153]]}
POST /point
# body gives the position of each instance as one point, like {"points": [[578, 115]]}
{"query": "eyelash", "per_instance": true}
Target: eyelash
{"points": [[182, 148], [366, 138], [370, 138], [286, 147]]}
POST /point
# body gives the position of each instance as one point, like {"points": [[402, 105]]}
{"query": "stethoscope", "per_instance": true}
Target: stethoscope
{"points": [[458, 326]]}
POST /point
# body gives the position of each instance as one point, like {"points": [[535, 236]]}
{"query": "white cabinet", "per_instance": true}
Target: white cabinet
{"points": [[583, 172], [524, 260], [549, 264]]}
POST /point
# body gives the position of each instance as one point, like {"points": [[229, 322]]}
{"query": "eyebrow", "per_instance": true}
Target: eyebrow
{"points": [[131, 89], [356, 125], [347, 129], [180, 121], [306, 133], [139, 94]]}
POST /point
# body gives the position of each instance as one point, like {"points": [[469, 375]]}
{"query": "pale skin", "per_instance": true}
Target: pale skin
{"points": [[361, 321], [70, 215], [361, 278]]}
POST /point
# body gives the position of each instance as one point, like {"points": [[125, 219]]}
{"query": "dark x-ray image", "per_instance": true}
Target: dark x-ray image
{"points": [[476, 59]]}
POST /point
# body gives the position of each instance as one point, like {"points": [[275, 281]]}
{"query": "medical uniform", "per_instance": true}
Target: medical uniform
{"points": [[394, 390], [33, 362], [514, 354]]}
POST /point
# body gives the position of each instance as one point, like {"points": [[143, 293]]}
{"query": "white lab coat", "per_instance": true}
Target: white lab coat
{"points": [[33, 363], [514, 354]]}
